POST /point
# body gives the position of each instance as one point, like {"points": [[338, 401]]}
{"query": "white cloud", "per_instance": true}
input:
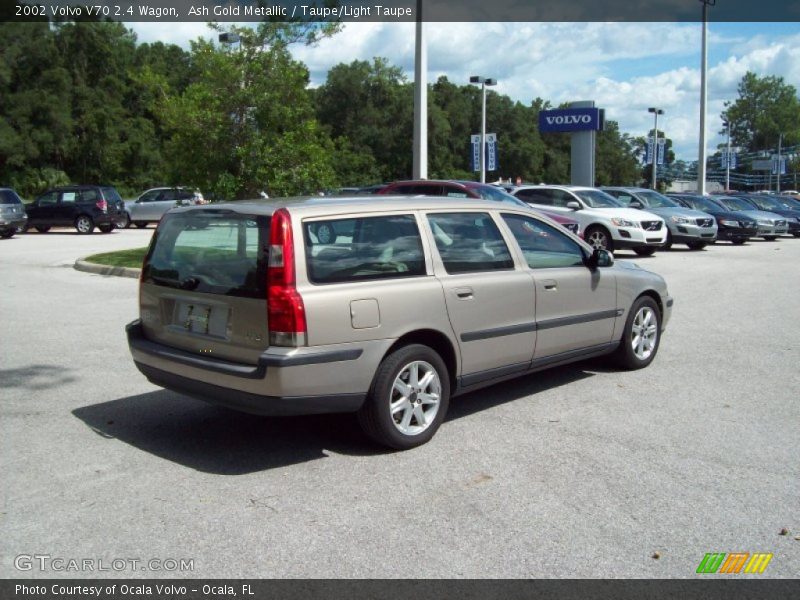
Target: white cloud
{"points": [[624, 67]]}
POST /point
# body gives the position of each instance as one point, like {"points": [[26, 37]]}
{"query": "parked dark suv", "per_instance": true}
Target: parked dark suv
{"points": [[83, 207]]}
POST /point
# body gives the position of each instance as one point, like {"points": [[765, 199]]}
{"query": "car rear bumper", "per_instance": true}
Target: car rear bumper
{"points": [[192, 375], [15, 223], [252, 403]]}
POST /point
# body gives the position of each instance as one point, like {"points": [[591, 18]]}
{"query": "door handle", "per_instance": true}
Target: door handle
{"points": [[464, 293], [550, 284]]}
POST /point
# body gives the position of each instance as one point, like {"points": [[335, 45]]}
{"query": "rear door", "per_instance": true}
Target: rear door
{"points": [[575, 305], [204, 284], [67, 208], [490, 303], [43, 210]]}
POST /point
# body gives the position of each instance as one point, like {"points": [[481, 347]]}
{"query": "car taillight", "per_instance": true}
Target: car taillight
{"points": [[286, 315], [102, 205]]}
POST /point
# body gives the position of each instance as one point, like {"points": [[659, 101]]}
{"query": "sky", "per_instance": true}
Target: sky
{"points": [[624, 67]]}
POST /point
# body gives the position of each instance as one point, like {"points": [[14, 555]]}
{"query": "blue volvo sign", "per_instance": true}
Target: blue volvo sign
{"points": [[571, 119]]}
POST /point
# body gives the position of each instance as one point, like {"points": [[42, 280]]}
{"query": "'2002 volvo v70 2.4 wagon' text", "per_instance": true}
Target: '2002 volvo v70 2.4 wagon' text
{"points": [[406, 303]]}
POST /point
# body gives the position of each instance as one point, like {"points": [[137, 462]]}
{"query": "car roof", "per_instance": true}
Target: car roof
{"points": [[323, 205]]}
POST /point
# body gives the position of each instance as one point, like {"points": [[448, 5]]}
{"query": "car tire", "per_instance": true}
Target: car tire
{"points": [[770, 238], [645, 250], [696, 245], [738, 242], [126, 222], [84, 224], [140, 224], [598, 237], [642, 335], [394, 412], [42, 228], [8, 233], [105, 228]]}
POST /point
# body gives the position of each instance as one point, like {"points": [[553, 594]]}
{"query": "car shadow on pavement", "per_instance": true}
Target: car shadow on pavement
{"points": [[36, 378], [221, 441], [517, 389], [215, 440]]}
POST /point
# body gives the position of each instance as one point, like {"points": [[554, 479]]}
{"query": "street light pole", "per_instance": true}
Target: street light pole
{"points": [[484, 81], [656, 112], [780, 145], [701, 162], [727, 124], [420, 151]]}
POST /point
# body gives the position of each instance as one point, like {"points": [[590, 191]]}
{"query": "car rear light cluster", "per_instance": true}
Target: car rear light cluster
{"points": [[286, 315], [102, 205]]}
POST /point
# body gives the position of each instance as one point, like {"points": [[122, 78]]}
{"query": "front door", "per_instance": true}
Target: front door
{"points": [[575, 305], [490, 303]]}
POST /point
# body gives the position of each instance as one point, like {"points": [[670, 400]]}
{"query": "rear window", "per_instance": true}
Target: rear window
{"points": [[9, 197], [111, 193], [469, 242], [212, 252], [362, 249]]}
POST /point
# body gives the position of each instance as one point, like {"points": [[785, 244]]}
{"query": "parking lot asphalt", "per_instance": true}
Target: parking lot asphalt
{"points": [[581, 471]]}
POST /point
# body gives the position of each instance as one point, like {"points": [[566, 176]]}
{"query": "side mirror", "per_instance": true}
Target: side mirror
{"points": [[636, 204], [600, 258], [573, 205]]}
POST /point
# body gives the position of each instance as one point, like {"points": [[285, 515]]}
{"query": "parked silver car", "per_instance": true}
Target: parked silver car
{"points": [[152, 204], [411, 301], [687, 226], [770, 224], [12, 213]]}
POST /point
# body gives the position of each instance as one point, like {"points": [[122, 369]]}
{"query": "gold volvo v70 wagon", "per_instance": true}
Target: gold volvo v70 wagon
{"points": [[383, 307]]}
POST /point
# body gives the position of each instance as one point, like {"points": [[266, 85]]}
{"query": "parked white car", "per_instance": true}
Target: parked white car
{"points": [[151, 205], [605, 222]]}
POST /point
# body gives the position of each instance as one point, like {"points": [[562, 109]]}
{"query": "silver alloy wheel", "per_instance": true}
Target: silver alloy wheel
{"points": [[644, 333], [83, 224], [598, 239], [414, 399]]}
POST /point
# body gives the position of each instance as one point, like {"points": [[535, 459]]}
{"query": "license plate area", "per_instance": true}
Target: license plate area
{"points": [[204, 319]]}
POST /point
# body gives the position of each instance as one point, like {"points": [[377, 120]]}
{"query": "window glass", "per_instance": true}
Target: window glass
{"points": [[47, 199], [603, 199], [69, 197], [536, 196], [543, 246], [469, 242], [89, 196], [490, 192], [656, 200], [216, 254], [560, 198], [9, 197], [365, 248], [111, 194], [150, 196]]}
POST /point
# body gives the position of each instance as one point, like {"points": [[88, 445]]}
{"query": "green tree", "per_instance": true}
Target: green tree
{"points": [[765, 108], [616, 158], [246, 122], [371, 106], [35, 99]]}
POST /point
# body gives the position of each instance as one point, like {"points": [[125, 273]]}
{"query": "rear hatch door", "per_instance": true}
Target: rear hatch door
{"points": [[203, 286]]}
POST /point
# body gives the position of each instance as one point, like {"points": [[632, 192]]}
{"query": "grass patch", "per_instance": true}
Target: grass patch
{"points": [[122, 258]]}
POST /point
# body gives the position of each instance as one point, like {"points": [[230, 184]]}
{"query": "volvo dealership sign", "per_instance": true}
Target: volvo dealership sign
{"points": [[571, 119]]}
